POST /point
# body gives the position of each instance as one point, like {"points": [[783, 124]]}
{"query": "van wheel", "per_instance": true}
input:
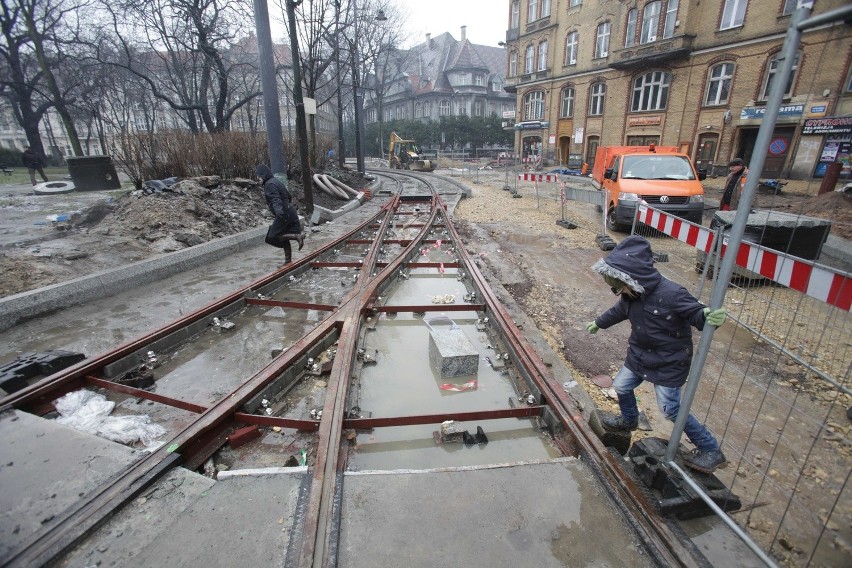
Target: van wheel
{"points": [[611, 223]]}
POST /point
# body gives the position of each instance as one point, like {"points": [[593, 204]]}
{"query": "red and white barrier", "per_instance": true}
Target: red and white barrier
{"points": [[547, 178], [821, 283]]}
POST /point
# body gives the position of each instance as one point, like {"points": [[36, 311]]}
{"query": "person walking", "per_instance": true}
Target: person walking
{"points": [[286, 226], [733, 188], [662, 314], [33, 163]]}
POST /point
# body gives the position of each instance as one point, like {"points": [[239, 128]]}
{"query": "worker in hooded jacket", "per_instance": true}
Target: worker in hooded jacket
{"points": [[662, 315], [286, 226]]}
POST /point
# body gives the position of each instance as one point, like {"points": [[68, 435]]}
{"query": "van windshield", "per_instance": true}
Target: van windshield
{"points": [[657, 167]]}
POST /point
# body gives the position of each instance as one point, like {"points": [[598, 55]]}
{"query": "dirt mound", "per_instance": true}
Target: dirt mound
{"points": [[835, 206], [189, 212], [143, 223]]}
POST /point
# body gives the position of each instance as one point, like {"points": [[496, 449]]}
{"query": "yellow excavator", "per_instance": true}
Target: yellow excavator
{"points": [[405, 155]]}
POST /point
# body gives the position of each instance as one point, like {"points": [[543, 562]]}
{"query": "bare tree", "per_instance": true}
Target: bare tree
{"points": [[36, 34], [188, 53]]}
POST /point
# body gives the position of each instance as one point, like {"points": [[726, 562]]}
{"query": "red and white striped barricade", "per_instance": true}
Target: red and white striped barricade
{"points": [[819, 282]]}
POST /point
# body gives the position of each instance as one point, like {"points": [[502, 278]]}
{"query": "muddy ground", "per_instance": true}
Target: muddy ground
{"points": [[93, 234]]}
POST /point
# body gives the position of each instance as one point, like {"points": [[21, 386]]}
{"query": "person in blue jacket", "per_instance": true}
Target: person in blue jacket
{"points": [[286, 226], [662, 315]]}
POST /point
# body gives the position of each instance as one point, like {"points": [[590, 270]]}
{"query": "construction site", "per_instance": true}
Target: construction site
{"points": [[416, 386]]}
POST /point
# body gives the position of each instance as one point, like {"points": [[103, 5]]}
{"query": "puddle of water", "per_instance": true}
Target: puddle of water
{"points": [[404, 383]]}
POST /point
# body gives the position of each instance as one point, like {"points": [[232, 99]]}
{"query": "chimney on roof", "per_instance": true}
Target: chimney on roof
{"points": [[428, 37], [464, 33]]}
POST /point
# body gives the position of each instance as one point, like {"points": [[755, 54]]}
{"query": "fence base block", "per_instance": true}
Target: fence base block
{"points": [[672, 493], [605, 242]]}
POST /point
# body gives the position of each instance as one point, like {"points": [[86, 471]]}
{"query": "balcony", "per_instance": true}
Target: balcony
{"points": [[530, 77], [649, 54]]}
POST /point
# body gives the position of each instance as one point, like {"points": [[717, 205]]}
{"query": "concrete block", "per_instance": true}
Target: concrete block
{"points": [[243, 436], [452, 353]]}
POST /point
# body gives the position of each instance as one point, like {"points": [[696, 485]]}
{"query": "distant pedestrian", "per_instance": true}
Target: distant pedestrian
{"points": [[733, 185], [661, 314], [33, 163], [286, 226]]}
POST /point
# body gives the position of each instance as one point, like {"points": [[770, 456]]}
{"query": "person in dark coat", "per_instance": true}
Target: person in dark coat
{"points": [[286, 226], [33, 162], [662, 315], [731, 195]]}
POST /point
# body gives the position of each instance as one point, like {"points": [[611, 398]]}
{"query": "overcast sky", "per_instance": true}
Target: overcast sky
{"points": [[486, 20]]}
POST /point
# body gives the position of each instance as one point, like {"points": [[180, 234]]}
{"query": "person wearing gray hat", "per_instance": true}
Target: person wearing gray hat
{"points": [[731, 195], [286, 226]]}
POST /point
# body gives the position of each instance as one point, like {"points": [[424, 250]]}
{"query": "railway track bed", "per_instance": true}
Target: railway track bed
{"points": [[304, 415]]}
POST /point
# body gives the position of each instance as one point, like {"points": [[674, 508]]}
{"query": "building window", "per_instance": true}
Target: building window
{"points": [[545, 8], [707, 144], [719, 84], [417, 110], [789, 7], [650, 21], [542, 56], [602, 39], [772, 70], [566, 110], [516, 15], [479, 108], [671, 18], [529, 60], [478, 80], [571, 43], [630, 33], [733, 14], [444, 107], [513, 64], [650, 91], [532, 10], [574, 3], [592, 143], [596, 100], [534, 105]]}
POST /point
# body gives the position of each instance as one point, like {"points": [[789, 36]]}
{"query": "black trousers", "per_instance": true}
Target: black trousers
{"points": [[278, 237]]}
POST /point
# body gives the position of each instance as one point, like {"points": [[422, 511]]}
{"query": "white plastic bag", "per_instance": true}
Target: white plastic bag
{"points": [[90, 412]]}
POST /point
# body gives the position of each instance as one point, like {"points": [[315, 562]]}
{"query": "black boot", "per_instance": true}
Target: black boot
{"points": [[705, 460], [618, 422], [481, 438], [301, 240], [468, 439]]}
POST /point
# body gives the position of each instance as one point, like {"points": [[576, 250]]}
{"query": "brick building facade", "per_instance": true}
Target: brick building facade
{"points": [[687, 73]]}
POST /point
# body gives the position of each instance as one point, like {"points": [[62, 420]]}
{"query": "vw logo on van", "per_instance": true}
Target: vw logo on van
{"points": [[664, 199]]}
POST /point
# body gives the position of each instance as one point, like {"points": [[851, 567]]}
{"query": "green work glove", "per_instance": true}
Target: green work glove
{"points": [[715, 317], [592, 327]]}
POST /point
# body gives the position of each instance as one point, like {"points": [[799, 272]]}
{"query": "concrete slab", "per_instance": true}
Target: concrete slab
{"points": [[46, 467], [545, 514], [240, 521], [126, 534]]}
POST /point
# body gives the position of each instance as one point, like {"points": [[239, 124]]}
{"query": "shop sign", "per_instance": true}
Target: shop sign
{"points": [[644, 120], [508, 114], [532, 125], [830, 125], [786, 111]]}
